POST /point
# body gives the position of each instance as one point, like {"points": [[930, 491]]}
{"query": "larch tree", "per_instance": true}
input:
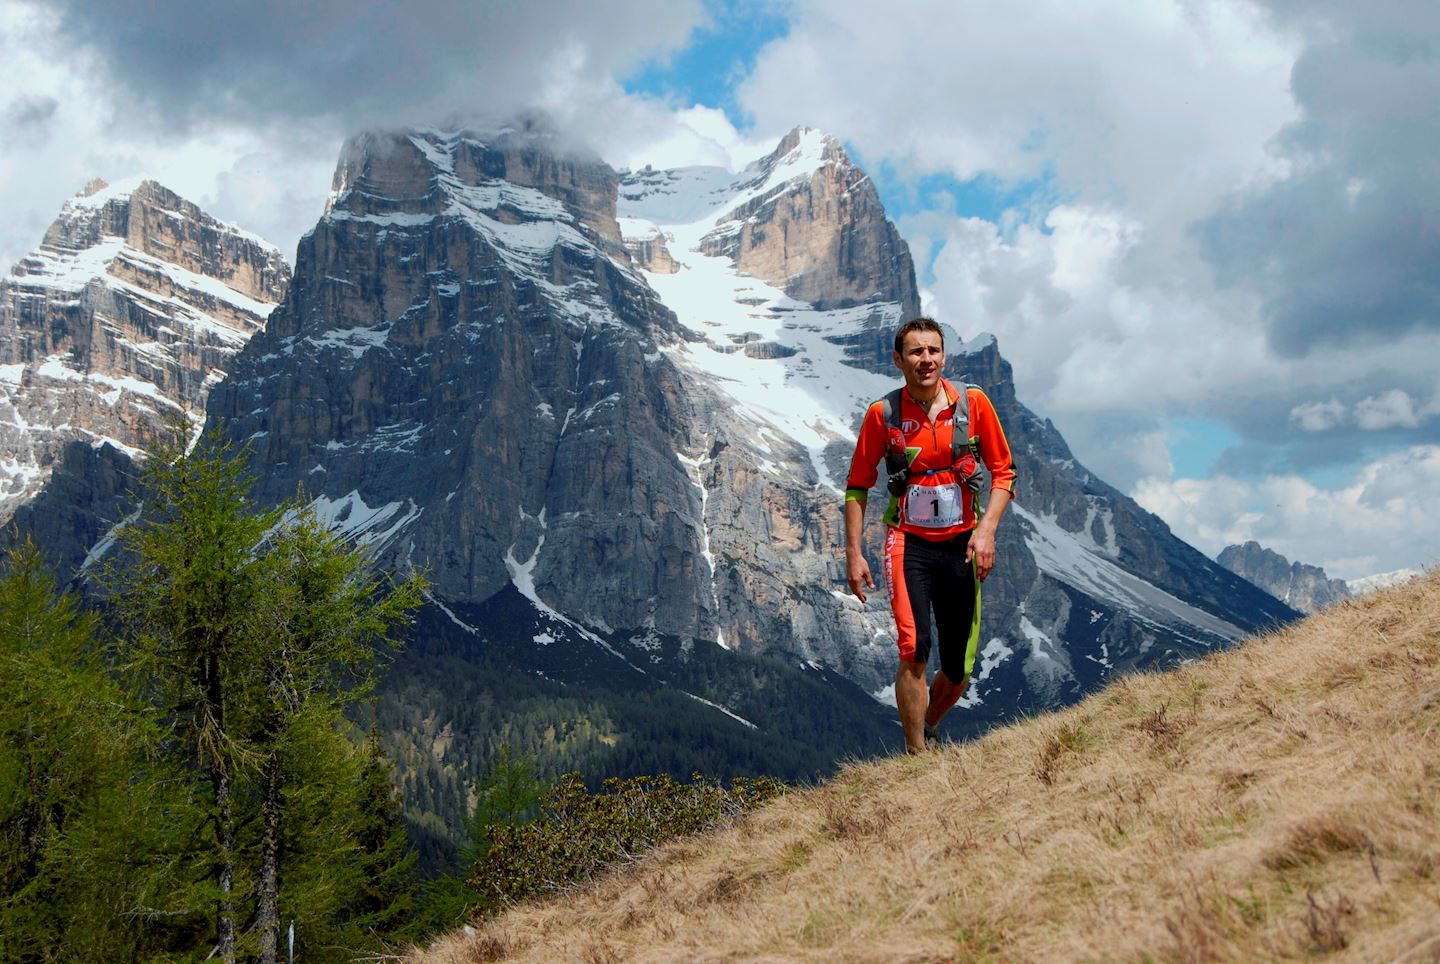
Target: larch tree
{"points": [[319, 625], [67, 743], [186, 590]]}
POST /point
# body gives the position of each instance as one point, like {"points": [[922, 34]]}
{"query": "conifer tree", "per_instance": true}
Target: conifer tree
{"points": [[186, 598], [508, 793], [385, 903], [317, 623], [65, 753], [252, 630]]}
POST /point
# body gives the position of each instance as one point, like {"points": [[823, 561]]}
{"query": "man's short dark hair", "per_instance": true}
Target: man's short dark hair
{"points": [[917, 324]]}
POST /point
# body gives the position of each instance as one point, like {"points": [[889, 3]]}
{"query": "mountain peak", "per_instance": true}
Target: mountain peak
{"points": [[147, 216], [812, 224], [420, 173], [1306, 588], [123, 315]]}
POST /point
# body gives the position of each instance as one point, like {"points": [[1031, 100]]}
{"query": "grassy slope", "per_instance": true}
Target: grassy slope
{"points": [[1278, 800]]}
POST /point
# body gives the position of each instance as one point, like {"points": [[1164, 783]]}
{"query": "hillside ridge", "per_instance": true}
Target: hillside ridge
{"points": [[1275, 800]]}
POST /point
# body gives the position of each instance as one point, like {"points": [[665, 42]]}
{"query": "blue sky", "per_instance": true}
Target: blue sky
{"points": [[718, 55], [1202, 230]]}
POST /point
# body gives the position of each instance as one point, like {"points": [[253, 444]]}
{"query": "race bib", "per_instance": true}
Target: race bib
{"points": [[934, 506]]}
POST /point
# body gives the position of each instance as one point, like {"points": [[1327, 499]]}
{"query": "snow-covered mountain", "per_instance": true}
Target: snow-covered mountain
{"points": [[125, 316], [632, 399], [1381, 580], [611, 414]]}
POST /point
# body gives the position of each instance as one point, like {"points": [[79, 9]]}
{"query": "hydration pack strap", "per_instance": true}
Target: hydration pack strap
{"points": [[897, 461]]}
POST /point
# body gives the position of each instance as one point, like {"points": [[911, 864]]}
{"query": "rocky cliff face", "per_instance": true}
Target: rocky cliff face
{"points": [[810, 223], [648, 248], [1299, 586], [124, 317], [468, 370], [472, 373]]}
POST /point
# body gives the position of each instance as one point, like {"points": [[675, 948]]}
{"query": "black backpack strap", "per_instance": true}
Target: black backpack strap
{"points": [[960, 444], [960, 437], [897, 464]]}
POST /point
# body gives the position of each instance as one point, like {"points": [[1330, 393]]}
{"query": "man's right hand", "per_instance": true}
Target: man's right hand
{"points": [[858, 575]]}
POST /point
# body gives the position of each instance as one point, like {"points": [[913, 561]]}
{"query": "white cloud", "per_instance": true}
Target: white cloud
{"points": [[71, 110], [1386, 410], [271, 182], [1150, 453], [1087, 337], [1392, 408], [1386, 517], [1432, 407], [665, 138], [1318, 416], [1155, 106], [335, 64]]}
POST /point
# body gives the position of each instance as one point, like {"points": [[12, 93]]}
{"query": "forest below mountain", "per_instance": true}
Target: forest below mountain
{"points": [[614, 728]]}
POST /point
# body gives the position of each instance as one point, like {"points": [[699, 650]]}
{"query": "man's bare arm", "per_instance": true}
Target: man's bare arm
{"points": [[857, 570], [982, 540]]}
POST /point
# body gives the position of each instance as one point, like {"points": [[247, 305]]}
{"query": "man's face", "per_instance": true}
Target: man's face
{"points": [[922, 358]]}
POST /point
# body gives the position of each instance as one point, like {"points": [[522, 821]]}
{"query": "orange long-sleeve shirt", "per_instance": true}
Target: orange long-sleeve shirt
{"points": [[933, 442]]}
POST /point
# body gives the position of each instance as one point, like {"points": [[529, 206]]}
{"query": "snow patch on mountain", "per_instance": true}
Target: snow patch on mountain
{"points": [[370, 526], [771, 355], [692, 195], [1382, 580], [1075, 562]]}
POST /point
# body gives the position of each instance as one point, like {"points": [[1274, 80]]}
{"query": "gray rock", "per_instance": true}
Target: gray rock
{"points": [[485, 405], [1299, 586], [118, 324], [825, 240]]}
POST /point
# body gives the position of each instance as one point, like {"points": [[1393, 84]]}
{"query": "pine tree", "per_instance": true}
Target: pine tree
{"points": [[251, 631], [317, 622], [65, 756], [508, 793], [187, 599], [386, 901]]}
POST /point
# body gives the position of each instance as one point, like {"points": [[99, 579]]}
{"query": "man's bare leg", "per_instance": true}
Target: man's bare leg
{"points": [[944, 693], [910, 700]]}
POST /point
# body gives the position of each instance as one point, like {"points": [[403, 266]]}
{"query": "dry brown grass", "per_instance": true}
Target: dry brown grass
{"points": [[1278, 801]]}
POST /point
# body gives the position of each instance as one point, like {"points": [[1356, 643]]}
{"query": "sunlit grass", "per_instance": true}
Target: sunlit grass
{"points": [[1280, 800]]}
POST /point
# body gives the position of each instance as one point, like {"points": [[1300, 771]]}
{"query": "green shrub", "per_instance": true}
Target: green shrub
{"points": [[579, 834]]}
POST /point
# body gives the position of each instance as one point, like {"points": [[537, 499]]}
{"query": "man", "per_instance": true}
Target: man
{"points": [[938, 547]]}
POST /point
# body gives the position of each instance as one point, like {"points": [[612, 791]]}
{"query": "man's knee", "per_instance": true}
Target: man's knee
{"points": [[911, 669]]}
